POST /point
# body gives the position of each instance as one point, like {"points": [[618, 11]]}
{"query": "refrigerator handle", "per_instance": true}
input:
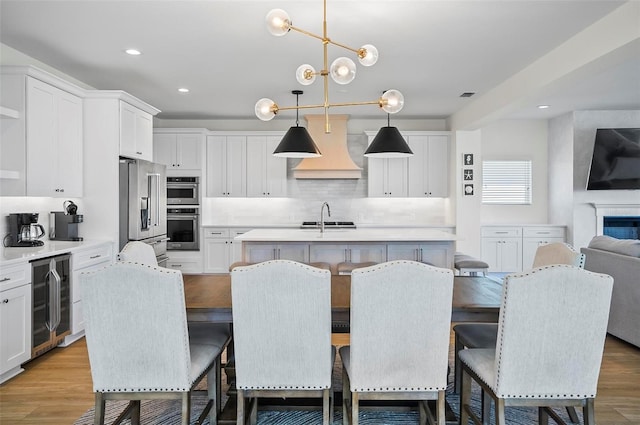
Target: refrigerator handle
{"points": [[157, 179], [154, 192]]}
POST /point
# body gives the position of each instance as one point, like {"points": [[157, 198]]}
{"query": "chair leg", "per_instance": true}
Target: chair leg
{"points": [[456, 364], [573, 416], [346, 400], [440, 409], [543, 416], [465, 397], [186, 408], [135, 412], [253, 411], [240, 407], [500, 420], [486, 407], [355, 408], [325, 407], [98, 418], [213, 385], [589, 412]]}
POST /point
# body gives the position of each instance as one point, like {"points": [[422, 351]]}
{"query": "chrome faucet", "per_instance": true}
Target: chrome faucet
{"points": [[322, 215]]}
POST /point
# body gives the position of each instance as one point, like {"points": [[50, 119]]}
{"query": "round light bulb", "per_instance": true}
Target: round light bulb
{"points": [[368, 55], [343, 70], [305, 74], [265, 109], [278, 22], [392, 101]]}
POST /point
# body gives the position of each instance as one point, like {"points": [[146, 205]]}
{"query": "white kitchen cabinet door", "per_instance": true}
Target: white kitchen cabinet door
{"points": [[361, 253], [54, 141], [400, 251], [439, 255], [387, 177], [257, 253], [293, 251], [178, 151], [226, 166], [502, 254], [185, 261], [266, 174], [15, 330], [428, 170], [216, 255], [136, 133]]}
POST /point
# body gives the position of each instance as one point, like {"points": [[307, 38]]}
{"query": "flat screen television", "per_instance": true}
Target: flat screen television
{"points": [[616, 159]]}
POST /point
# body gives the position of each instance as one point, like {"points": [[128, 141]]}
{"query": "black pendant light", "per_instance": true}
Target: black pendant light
{"points": [[388, 143], [297, 142]]}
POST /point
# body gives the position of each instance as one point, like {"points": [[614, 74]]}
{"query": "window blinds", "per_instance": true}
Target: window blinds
{"points": [[506, 182]]}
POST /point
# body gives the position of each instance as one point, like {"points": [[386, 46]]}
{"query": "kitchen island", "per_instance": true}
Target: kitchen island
{"points": [[334, 246]]}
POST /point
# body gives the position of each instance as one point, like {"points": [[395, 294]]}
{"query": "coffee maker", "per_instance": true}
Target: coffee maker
{"points": [[64, 226], [24, 230]]}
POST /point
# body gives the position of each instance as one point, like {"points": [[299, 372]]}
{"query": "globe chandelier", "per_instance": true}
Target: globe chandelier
{"points": [[342, 71]]}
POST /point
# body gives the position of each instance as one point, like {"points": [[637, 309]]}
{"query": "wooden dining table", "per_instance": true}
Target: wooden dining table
{"points": [[475, 299], [208, 299]]}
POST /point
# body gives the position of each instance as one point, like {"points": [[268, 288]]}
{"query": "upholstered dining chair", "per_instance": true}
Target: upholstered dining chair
{"points": [[400, 327], [139, 344], [484, 335], [282, 334], [138, 252], [551, 333]]}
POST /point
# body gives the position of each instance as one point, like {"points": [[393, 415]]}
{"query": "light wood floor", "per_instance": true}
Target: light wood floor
{"points": [[56, 388]]}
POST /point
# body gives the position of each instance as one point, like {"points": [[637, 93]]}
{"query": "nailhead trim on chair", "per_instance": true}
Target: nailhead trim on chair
{"points": [[284, 387], [388, 389]]}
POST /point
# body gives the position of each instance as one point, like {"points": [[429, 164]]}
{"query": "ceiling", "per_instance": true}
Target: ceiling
{"points": [[432, 51]]}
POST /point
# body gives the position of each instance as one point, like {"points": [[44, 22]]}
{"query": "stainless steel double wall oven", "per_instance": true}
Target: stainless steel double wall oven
{"points": [[183, 213]]}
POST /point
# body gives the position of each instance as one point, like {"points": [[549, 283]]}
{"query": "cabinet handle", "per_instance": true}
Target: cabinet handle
{"points": [[5, 301], [501, 233], [93, 257], [5, 279], [139, 153], [177, 265]]}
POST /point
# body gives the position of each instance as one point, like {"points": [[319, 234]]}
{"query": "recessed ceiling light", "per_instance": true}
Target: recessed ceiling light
{"points": [[543, 106], [183, 90], [133, 52]]}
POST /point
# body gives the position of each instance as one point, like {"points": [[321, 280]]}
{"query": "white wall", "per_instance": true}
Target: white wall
{"points": [[513, 140], [585, 124]]}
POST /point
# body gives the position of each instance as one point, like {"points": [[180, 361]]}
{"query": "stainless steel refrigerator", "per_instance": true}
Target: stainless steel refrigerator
{"points": [[143, 205]]}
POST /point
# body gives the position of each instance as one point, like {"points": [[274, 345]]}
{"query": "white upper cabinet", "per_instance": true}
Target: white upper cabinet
{"points": [[136, 133], [54, 141], [226, 166], [428, 168], [266, 174], [181, 152]]}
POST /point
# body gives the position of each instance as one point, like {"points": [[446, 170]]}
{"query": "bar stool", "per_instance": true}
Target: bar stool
{"points": [[467, 264], [345, 268], [320, 265]]}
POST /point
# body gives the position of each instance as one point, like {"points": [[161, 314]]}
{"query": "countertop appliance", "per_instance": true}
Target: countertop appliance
{"points": [[328, 224], [51, 298], [183, 229], [63, 226], [143, 205], [183, 190], [24, 230]]}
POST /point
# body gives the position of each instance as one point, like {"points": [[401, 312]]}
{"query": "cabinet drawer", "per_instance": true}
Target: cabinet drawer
{"points": [[91, 256], [238, 232], [543, 232], [14, 276], [501, 231], [216, 233]]}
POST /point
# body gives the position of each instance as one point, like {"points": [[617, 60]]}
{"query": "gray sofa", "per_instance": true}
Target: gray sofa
{"points": [[619, 258]]}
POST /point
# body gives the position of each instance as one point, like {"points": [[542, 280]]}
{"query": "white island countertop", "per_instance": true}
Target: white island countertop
{"points": [[347, 235], [13, 255]]}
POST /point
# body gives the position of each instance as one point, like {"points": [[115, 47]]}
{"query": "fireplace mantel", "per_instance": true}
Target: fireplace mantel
{"points": [[615, 210]]}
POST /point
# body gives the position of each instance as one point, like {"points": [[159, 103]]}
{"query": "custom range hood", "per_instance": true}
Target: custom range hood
{"points": [[335, 162]]}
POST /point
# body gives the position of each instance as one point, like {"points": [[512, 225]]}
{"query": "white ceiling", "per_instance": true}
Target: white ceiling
{"points": [[432, 51]]}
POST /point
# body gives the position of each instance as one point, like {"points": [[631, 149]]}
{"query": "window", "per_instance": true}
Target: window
{"points": [[506, 182]]}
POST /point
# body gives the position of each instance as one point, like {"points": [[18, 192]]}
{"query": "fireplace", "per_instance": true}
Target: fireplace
{"points": [[618, 221]]}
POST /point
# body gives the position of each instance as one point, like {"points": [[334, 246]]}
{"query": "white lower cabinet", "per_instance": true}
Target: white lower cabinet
{"points": [[189, 262], [15, 319], [220, 249], [258, 252], [439, 255], [85, 260], [513, 248]]}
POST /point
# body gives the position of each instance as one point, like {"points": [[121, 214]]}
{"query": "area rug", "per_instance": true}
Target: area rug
{"points": [[167, 412]]}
